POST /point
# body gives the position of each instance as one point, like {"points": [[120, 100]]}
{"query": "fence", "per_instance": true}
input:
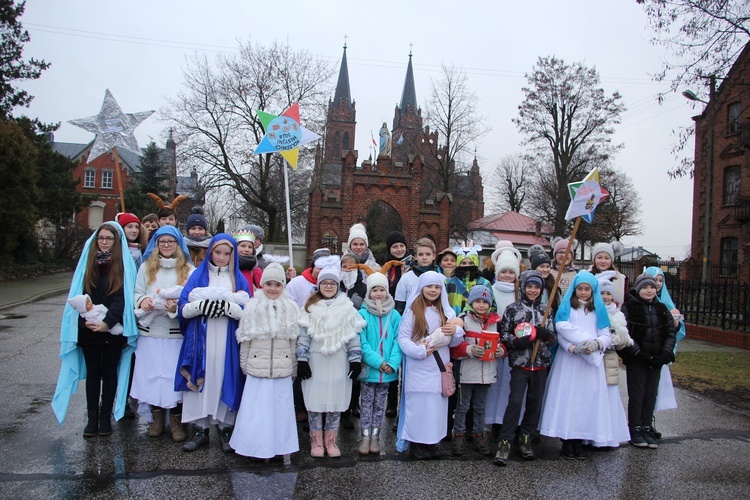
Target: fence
{"points": [[721, 305]]}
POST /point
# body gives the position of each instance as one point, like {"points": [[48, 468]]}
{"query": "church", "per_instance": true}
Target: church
{"points": [[400, 190]]}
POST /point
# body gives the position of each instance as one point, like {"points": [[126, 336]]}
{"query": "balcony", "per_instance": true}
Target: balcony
{"points": [[742, 209]]}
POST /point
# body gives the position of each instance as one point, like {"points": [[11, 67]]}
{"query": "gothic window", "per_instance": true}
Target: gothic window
{"points": [[731, 185], [337, 145], [345, 143], [729, 257], [735, 110]]}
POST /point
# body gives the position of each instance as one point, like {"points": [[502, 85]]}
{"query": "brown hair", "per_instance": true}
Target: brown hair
{"points": [[418, 309], [152, 265], [313, 299], [575, 303], [425, 242], [150, 218], [116, 270]]}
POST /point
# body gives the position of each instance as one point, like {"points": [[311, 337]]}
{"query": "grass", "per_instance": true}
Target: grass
{"points": [[713, 371]]}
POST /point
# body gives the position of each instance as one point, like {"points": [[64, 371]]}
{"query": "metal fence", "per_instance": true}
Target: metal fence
{"points": [[721, 305]]}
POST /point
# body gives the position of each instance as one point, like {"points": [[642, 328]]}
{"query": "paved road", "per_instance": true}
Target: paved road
{"points": [[705, 453]]}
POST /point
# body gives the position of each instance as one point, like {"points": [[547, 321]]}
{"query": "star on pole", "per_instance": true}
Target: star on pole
{"points": [[112, 127], [284, 134], [585, 196]]}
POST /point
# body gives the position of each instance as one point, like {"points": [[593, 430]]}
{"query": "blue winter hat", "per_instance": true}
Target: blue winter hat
{"points": [[563, 311], [480, 292], [532, 277], [196, 219], [164, 231]]}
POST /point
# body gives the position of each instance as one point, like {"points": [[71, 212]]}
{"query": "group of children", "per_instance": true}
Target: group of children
{"points": [[222, 338]]}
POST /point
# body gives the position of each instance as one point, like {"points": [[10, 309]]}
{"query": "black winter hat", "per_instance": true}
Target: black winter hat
{"points": [[394, 237], [539, 259]]}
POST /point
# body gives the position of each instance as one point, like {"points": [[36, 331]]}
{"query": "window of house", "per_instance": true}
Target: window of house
{"points": [[731, 185], [735, 110], [729, 256], [89, 178], [106, 179]]}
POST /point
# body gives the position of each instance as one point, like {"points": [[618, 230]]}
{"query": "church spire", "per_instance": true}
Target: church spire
{"points": [[409, 95], [342, 87]]}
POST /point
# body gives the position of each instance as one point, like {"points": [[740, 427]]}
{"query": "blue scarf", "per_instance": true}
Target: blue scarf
{"points": [[563, 312], [191, 366], [167, 231], [73, 367], [666, 299]]}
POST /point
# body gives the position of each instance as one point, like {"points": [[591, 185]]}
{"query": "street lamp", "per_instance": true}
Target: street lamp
{"points": [[710, 119]]}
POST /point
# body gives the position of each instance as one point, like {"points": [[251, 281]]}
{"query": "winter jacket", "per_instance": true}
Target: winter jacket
{"points": [[115, 304], [472, 370], [379, 341], [651, 327], [164, 325], [458, 289], [520, 311], [267, 334], [618, 330], [330, 326]]}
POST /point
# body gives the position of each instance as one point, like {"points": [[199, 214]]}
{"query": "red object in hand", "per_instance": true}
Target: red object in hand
{"points": [[525, 330]]}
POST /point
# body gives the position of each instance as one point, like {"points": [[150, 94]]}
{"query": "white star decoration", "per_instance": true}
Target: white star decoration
{"points": [[112, 127]]}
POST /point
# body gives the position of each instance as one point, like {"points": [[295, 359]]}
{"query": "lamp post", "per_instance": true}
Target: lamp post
{"points": [[710, 120]]}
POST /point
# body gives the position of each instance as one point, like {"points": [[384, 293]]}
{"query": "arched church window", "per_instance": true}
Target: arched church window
{"points": [[345, 143]]}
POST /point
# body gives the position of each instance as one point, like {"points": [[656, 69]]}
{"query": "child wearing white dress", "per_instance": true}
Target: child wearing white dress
{"points": [[423, 416], [328, 357], [92, 313], [576, 406], [268, 331]]}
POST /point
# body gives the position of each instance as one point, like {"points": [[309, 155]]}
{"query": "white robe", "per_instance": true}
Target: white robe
{"points": [[425, 408], [576, 402], [208, 403]]}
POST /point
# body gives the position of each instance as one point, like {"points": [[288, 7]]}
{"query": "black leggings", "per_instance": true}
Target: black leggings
{"points": [[101, 375]]}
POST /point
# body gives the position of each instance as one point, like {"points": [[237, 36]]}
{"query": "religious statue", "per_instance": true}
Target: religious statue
{"points": [[385, 140]]}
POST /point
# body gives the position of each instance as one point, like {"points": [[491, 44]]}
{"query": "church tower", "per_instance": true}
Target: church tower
{"points": [[341, 120], [407, 120]]}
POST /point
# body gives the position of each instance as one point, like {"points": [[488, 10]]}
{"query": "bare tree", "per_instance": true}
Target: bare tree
{"points": [[451, 112], [215, 121], [619, 214], [509, 183], [705, 37], [569, 121]]}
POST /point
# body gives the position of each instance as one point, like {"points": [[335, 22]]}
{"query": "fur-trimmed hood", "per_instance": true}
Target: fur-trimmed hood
{"points": [[266, 319]]}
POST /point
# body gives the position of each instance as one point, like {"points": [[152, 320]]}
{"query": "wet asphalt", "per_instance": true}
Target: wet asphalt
{"points": [[705, 452]]}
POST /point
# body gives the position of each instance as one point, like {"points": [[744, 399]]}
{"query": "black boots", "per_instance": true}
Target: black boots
{"points": [[92, 427], [105, 421]]}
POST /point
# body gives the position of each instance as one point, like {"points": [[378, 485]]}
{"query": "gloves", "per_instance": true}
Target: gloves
{"points": [[523, 343], [213, 308], [475, 351], [543, 333], [501, 351], [591, 346], [303, 370], [233, 310], [616, 339], [661, 359], [580, 349], [355, 368], [643, 357]]}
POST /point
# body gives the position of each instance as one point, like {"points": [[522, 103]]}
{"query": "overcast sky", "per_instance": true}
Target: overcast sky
{"points": [[138, 50]]}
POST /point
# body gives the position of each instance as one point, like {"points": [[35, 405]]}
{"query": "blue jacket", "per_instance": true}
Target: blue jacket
{"points": [[379, 341]]}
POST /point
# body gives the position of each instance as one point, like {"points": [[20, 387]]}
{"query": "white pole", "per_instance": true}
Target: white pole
{"points": [[288, 214]]}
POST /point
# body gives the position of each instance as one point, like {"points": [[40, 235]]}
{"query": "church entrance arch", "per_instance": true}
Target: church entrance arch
{"points": [[382, 218]]}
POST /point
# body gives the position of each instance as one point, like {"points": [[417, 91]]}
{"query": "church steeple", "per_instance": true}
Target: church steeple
{"points": [[342, 87], [409, 95]]}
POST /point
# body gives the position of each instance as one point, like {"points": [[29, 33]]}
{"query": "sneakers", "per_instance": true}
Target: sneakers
{"points": [[636, 437], [503, 450], [482, 444], [648, 436], [458, 444], [527, 453]]}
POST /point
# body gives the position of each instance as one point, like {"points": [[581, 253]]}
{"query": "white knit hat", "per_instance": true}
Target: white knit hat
{"points": [[603, 247], [376, 279], [273, 272], [504, 246], [357, 231], [330, 268], [508, 259]]}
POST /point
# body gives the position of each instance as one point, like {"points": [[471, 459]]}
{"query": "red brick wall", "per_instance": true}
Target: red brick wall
{"points": [[717, 335], [110, 197]]}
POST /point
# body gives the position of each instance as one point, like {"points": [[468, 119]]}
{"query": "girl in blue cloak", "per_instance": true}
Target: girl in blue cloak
{"points": [[208, 369], [107, 274], [665, 398]]}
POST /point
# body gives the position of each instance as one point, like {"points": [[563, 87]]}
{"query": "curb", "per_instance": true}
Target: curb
{"points": [[35, 298]]}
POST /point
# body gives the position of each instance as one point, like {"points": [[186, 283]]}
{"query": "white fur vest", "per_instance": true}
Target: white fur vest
{"points": [[332, 325]]}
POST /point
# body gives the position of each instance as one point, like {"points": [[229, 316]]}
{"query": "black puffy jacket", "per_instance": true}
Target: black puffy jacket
{"points": [[651, 327]]}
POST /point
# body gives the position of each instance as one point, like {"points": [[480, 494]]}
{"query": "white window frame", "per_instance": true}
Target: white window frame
{"points": [[107, 175], [89, 174]]}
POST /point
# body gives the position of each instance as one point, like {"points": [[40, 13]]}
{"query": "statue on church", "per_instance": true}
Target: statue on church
{"points": [[385, 140]]}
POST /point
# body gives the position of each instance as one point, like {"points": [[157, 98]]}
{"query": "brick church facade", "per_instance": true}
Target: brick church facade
{"points": [[400, 184]]}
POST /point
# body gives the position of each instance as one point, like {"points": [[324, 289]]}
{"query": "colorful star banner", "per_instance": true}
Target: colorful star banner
{"points": [[284, 134], [585, 196], [112, 127]]}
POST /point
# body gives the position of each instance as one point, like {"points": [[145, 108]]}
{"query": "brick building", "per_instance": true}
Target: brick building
{"points": [[721, 184], [398, 190], [99, 179]]}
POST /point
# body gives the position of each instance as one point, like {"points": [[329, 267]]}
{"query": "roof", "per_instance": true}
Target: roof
{"points": [[342, 87], [510, 222], [69, 149], [632, 253], [409, 95], [73, 150]]}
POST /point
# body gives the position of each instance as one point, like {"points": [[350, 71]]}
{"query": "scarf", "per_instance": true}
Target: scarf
{"points": [[379, 308], [198, 241], [332, 325], [469, 274], [103, 257], [504, 286], [266, 319], [247, 263]]}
